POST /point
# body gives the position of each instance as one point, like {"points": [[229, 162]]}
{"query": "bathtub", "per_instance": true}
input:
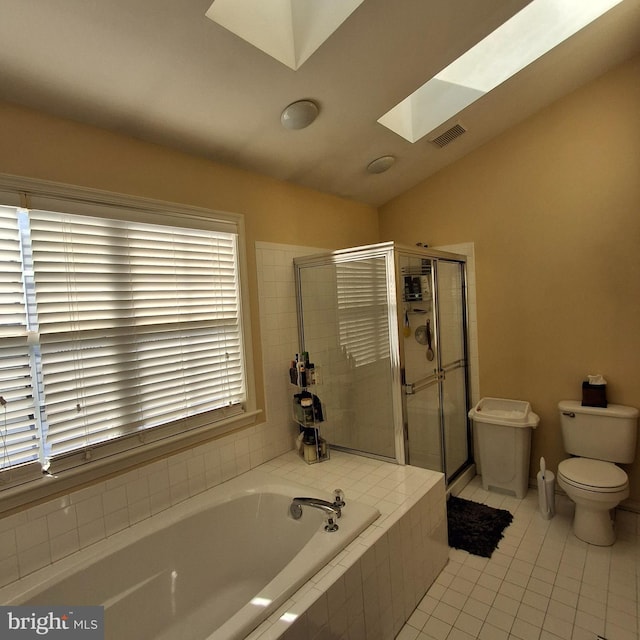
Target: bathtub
{"points": [[210, 568]]}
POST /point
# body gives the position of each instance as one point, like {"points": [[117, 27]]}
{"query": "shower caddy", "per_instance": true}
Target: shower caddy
{"points": [[307, 411]]}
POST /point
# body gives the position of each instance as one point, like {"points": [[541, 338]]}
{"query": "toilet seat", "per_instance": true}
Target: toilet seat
{"points": [[593, 475]]}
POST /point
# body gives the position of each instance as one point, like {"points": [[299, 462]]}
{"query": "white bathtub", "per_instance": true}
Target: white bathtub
{"points": [[213, 567]]}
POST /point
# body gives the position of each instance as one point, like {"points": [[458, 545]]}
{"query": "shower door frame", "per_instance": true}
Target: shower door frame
{"points": [[435, 256]]}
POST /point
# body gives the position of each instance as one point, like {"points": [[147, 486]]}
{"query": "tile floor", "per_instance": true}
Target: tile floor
{"points": [[542, 583]]}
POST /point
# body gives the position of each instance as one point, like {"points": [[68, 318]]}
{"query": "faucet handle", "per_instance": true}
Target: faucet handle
{"points": [[338, 498], [330, 524]]}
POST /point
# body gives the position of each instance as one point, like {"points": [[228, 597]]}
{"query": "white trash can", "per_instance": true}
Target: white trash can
{"points": [[503, 429]]}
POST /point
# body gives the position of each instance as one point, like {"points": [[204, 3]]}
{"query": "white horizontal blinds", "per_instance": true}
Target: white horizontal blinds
{"points": [[13, 319], [19, 433], [139, 326], [363, 320]]}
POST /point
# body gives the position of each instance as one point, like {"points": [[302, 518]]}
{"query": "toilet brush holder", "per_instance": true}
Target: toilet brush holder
{"points": [[546, 491]]}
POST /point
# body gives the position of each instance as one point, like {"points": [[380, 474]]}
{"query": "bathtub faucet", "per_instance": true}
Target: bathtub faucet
{"points": [[331, 511]]}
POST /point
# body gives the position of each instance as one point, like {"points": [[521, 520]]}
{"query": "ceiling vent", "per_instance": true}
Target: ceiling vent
{"points": [[448, 136]]}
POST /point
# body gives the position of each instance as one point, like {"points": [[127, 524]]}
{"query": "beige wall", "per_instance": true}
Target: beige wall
{"points": [[39, 146], [553, 207]]}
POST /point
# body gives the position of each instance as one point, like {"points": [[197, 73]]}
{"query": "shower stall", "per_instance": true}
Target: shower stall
{"points": [[386, 329]]}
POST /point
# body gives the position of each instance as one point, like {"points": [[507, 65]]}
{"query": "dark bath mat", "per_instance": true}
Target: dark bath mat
{"points": [[474, 527]]}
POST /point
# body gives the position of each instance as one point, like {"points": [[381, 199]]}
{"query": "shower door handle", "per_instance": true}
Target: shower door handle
{"points": [[456, 364], [413, 387]]}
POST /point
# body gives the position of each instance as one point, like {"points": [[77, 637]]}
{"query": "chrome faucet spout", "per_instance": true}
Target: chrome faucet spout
{"points": [[329, 508]]}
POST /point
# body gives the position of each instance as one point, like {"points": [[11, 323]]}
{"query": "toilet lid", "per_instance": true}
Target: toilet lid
{"points": [[594, 474]]}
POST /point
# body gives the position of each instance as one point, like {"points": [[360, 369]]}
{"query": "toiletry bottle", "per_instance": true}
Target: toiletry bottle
{"points": [[306, 402], [302, 374], [318, 415], [322, 448], [309, 446]]}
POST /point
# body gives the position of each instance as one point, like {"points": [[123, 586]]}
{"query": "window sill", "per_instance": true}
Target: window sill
{"points": [[13, 499]]}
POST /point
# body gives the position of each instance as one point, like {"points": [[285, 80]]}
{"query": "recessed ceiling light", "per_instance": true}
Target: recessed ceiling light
{"points": [[381, 164], [528, 35], [299, 115]]}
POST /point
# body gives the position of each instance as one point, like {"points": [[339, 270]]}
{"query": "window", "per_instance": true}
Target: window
{"points": [[120, 326]]}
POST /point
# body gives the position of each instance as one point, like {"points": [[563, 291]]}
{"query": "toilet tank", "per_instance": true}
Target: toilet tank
{"points": [[601, 433]]}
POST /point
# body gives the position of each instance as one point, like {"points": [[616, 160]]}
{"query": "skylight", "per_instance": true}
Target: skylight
{"points": [[535, 30], [288, 30]]}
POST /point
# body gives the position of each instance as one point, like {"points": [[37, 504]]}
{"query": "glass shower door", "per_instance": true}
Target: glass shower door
{"points": [[346, 325], [450, 297], [435, 364], [424, 444]]}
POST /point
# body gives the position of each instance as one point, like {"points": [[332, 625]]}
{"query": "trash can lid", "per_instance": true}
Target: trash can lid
{"points": [[501, 411]]}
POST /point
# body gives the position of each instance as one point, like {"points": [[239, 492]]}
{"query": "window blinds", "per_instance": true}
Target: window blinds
{"points": [[139, 326], [19, 434], [121, 324]]}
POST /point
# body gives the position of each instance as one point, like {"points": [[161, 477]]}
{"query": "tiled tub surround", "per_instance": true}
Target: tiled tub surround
{"points": [[374, 585], [223, 560], [38, 536], [371, 588]]}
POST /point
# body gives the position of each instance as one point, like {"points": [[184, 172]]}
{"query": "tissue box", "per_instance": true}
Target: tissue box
{"points": [[594, 395]]}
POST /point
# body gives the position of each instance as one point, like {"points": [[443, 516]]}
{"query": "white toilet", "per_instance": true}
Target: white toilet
{"points": [[600, 437]]}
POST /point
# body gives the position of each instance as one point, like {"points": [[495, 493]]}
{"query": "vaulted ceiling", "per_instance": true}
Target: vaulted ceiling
{"points": [[162, 72]]}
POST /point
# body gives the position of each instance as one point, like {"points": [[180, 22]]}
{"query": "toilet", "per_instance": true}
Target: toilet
{"points": [[596, 438]]}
